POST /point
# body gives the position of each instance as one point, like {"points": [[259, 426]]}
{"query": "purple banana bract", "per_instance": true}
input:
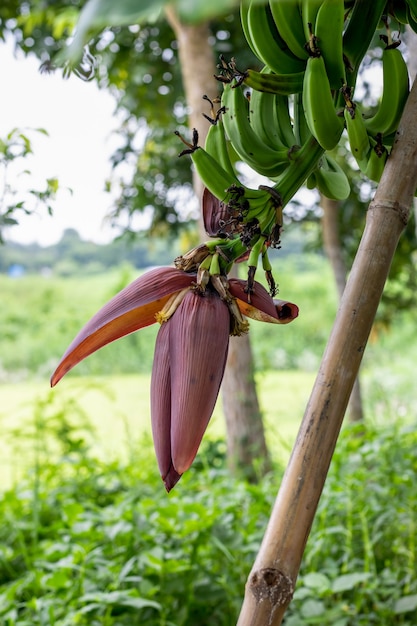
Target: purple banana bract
{"points": [[190, 353]]}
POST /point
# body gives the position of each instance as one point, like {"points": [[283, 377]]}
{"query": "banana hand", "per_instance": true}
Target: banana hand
{"points": [[248, 145]]}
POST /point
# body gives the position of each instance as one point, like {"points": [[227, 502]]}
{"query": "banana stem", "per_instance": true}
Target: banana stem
{"points": [[303, 162]]}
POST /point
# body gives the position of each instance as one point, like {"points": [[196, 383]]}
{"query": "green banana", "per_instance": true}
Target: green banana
{"points": [[363, 21], [394, 94], [216, 145], [328, 30], [262, 107], [270, 82], [331, 180], [319, 107], [219, 181], [248, 145], [244, 10], [249, 212], [301, 129], [309, 10], [270, 47], [357, 134], [287, 17], [213, 175], [378, 156], [411, 19], [398, 10], [283, 122], [311, 182], [412, 5]]}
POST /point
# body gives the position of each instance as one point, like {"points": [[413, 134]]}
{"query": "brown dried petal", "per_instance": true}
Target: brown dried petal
{"points": [[131, 309], [199, 339], [287, 311], [262, 307]]}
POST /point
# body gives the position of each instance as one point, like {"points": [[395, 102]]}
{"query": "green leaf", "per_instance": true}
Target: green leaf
{"points": [[349, 581], [317, 581], [406, 604], [195, 11], [312, 608], [97, 15]]}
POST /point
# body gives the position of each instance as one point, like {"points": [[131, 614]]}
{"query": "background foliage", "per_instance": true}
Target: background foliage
{"points": [[83, 541]]}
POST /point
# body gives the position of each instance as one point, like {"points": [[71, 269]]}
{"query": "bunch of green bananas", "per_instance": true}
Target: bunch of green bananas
{"points": [[286, 120]]}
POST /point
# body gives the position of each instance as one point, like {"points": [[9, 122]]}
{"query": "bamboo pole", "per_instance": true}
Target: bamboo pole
{"points": [[271, 582]]}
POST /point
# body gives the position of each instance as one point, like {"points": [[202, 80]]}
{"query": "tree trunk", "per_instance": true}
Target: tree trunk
{"points": [[411, 41], [333, 250], [272, 580], [247, 451]]}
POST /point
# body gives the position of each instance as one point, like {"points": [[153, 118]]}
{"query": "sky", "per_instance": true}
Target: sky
{"points": [[79, 119]]}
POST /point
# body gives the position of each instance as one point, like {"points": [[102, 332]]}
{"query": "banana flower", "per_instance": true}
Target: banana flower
{"points": [[191, 349]]}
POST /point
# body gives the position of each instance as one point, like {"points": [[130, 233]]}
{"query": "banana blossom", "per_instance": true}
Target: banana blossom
{"points": [[190, 354]]}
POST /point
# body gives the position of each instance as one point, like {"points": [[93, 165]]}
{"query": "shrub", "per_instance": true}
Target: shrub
{"points": [[91, 543]]}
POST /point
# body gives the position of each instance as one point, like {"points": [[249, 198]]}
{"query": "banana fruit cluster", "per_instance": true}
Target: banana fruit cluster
{"points": [[286, 119]]}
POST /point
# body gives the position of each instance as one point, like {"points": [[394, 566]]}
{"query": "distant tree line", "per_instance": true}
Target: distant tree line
{"points": [[73, 254]]}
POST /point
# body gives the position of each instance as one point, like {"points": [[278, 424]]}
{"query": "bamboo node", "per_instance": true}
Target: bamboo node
{"points": [[402, 210], [273, 585]]}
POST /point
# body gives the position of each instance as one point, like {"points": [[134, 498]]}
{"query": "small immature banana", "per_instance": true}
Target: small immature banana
{"points": [[270, 47], [331, 180], [328, 31], [357, 134], [287, 17], [394, 95], [213, 175], [248, 145], [270, 82], [378, 156], [319, 106], [217, 145]]}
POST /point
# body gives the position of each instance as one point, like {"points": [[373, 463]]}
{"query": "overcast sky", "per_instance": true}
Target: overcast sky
{"points": [[79, 120]]}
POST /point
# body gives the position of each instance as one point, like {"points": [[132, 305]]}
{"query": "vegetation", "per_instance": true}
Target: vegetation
{"points": [[76, 550], [88, 542], [72, 254]]}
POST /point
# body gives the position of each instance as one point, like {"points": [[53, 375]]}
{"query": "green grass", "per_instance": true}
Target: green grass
{"points": [[118, 409]]}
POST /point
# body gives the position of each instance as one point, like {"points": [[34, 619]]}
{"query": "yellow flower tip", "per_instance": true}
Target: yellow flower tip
{"points": [[161, 317]]}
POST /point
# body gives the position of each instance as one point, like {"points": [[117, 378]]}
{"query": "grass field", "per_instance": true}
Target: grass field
{"points": [[118, 411]]}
